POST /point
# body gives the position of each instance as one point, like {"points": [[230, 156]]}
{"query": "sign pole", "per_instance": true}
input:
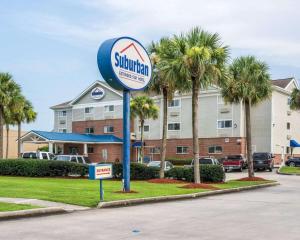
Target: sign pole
{"points": [[126, 140], [101, 191]]}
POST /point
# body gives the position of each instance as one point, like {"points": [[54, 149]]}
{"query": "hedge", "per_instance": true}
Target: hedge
{"points": [[208, 173], [41, 168], [138, 171], [180, 162]]}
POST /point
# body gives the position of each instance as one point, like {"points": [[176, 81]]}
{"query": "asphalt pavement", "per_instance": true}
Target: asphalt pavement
{"points": [[269, 213]]}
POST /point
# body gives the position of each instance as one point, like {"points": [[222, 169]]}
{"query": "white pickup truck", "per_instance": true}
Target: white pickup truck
{"points": [[37, 155]]}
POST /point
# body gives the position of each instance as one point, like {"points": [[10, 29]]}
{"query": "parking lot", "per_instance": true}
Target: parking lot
{"points": [[270, 213]]}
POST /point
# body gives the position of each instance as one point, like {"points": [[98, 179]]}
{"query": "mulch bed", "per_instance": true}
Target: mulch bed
{"points": [[200, 185], [165, 181], [251, 179], [131, 191]]}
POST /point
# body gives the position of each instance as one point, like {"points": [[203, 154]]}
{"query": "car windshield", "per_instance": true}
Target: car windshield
{"points": [[154, 164], [63, 158], [205, 161], [260, 156], [234, 157]]}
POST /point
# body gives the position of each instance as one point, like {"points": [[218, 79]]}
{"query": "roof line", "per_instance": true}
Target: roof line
{"points": [[90, 86]]}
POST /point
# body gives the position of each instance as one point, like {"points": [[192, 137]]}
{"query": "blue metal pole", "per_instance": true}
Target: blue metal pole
{"points": [[126, 140], [101, 191]]}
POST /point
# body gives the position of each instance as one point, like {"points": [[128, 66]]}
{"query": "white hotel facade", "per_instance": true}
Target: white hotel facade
{"points": [[221, 126]]}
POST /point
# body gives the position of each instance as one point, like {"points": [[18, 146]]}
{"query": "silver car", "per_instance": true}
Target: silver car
{"points": [[71, 158], [168, 165]]}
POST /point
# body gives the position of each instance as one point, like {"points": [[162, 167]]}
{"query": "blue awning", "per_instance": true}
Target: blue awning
{"points": [[294, 143], [137, 144], [74, 137]]}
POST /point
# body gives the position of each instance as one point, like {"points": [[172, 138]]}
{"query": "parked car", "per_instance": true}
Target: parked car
{"points": [[263, 160], [205, 160], [234, 162], [168, 165], [71, 158], [293, 162], [38, 155]]}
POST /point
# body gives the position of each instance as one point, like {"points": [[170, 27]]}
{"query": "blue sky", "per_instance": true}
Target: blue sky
{"points": [[50, 47]]}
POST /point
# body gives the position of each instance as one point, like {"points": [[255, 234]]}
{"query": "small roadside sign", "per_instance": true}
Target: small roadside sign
{"points": [[100, 172]]}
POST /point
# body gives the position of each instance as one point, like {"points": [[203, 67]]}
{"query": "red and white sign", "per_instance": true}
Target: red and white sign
{"points": [[101, 171]]}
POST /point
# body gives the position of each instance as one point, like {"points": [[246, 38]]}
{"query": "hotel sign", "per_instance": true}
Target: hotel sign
{"points": [[100, 171], [124, 64]]}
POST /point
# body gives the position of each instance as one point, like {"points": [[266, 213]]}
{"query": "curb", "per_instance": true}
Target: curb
{"points": [[124, 203], [288, 174], [31, 213]]}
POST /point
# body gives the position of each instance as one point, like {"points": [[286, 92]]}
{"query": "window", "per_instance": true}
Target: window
{"points": [[174, 103], [224, 123], [63, 113], [62, 130], [109, 108], [155, 150], [108, 129], [88, 110], [181, 150], [173, 126], [80, 160], [90, 150], [89, 130], [215, 149], [146, 128], [62, 122], [73, 159], [288, 126]]}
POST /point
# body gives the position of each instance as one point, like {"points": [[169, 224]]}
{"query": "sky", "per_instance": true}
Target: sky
{"points": [[50, 47]]}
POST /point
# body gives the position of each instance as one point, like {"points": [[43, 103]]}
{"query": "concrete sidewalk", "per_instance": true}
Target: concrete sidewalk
{"points": [[43, 203]]}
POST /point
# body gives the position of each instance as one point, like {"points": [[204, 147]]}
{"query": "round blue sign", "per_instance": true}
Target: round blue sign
{"points": [[124, 64]]}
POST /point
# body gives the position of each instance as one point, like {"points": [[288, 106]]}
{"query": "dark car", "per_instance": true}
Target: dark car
{"points": [[263, 160], [234, 162], [293, 162]]}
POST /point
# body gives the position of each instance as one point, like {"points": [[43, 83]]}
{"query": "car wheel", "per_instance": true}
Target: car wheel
{"points": [[292, 164]]}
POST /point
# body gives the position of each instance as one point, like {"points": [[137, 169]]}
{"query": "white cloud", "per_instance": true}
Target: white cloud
{"points": [[268, 28]]}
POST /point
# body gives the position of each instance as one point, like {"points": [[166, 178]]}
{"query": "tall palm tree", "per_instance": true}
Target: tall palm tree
{"points": [[8, 120], [249, 84], [199, 58], [164, 84], [144, 108], [295, 99], [8, 90]]}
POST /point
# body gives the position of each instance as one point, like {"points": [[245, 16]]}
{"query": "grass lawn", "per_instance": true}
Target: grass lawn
{"points": [[86, 192], [290, 170], [5, 207]]}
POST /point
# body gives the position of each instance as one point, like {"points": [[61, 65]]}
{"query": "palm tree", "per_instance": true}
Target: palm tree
{"points": [[295, 99], [162, 84], [198, 58], [8, 120], [8, 90], [249, 84], [144, 108], [24, 113]]}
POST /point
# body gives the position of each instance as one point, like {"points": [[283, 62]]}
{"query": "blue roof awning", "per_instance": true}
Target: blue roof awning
{"points": [[137, 144], [75, 137], [294, 143]]}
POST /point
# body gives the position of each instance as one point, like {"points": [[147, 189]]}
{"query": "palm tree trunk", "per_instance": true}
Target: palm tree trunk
{"points": [[142, 140], [7, 141], [195, 123], [1, 132], [19, 142], [164, 134], [249, 139]]}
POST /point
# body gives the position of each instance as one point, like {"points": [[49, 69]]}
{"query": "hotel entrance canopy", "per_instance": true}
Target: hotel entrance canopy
{"points": [[57, 138]]}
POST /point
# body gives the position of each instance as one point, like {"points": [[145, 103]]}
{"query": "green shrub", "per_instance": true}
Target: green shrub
{"points": [[41, 168], [138, 171], [208, 173], [180, 162]]}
